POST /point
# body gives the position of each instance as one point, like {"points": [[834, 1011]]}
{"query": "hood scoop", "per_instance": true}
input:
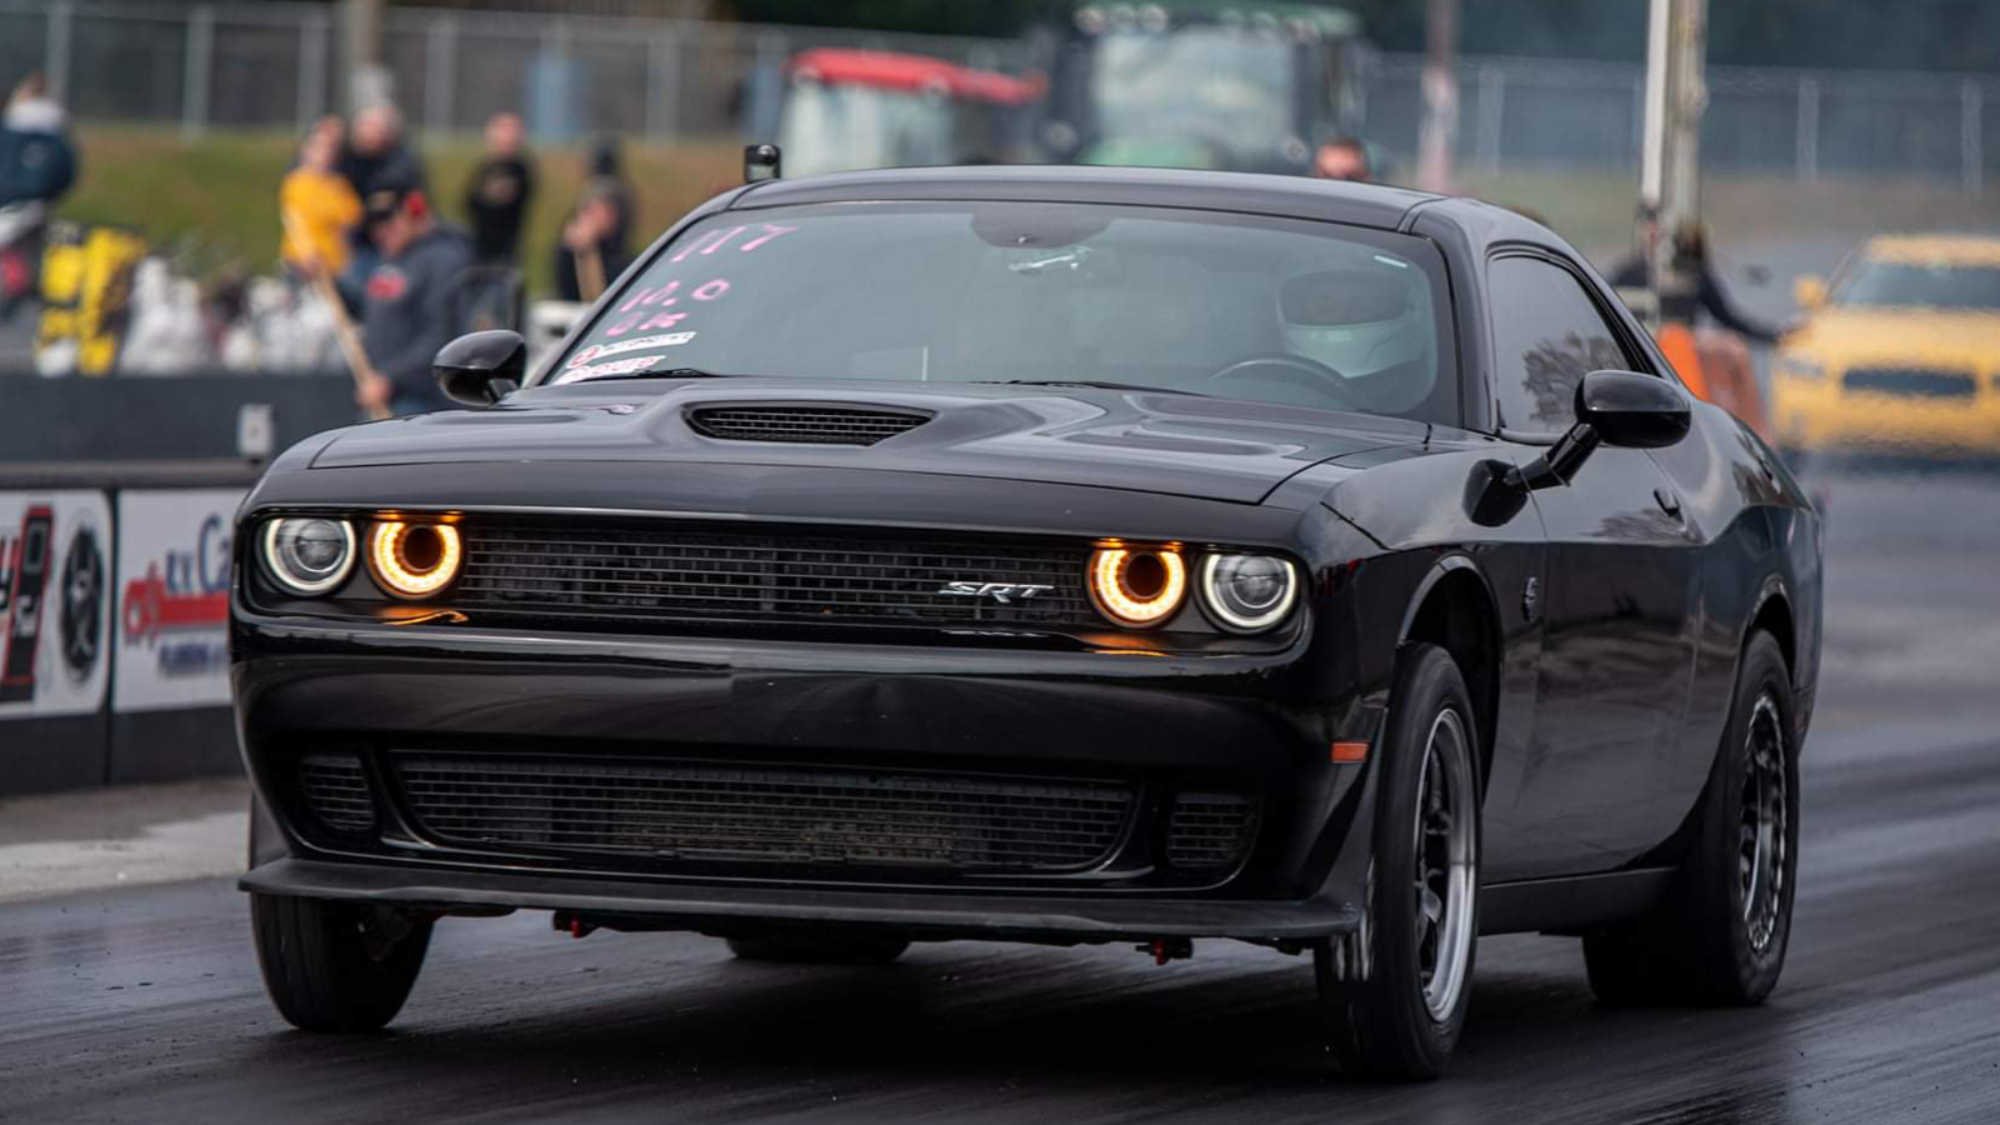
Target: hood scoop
{"points": [[802, 423]]}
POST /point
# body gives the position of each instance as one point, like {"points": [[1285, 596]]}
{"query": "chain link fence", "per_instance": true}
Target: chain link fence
{"points": [[1802, 125], [279, 65]]}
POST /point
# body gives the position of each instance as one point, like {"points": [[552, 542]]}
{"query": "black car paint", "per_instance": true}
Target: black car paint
{"points": [[1601, 695]]}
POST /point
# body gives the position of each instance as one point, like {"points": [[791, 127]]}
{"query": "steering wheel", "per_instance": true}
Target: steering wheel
{"points": [[1285, 367]]}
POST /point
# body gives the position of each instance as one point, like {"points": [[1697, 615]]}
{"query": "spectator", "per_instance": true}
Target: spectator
{"points": [[1691, 258], [319, 207], [407, 303], [37, 166], [1343, 158], [498, 196], [375, 151], [592, 251], [607, 177]]}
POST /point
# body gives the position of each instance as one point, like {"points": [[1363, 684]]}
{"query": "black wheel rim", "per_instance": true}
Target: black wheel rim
{"points": [[1763, 824]]}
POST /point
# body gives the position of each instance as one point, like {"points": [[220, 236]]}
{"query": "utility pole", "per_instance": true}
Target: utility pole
{"points": [[367, 79], [1438, 134], [1670, 163]]}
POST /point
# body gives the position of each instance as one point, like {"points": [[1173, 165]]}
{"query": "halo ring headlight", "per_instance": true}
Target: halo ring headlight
{"points": [[413, 560], [1138, 588], [308, 556], [1246, 593]]}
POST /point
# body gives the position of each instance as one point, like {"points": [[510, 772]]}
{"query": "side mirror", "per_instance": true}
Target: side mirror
{"points": [[1809, 292], [1619, 408], [480, 367], [1633, 410]]}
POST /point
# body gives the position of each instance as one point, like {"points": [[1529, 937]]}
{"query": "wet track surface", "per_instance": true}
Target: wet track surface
{"points": [[145, 1004]]}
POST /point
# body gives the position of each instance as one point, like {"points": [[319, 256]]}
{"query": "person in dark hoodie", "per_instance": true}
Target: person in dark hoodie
{"points": [[408, 300], [498, 194], [37, 166], [596, 242]]}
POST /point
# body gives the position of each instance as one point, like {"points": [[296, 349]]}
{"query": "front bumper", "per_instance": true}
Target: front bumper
{"points": [[726, 911], [1259, 725]]}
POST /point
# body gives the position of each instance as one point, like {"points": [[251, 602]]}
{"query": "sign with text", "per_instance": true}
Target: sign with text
{"points": [[173, 600], [55, 566]]}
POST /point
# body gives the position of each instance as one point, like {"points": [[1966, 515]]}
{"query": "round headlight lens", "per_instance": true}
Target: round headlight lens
{"points": [[308, 556], [1137, 588], [413, 560], [1248, 593]]}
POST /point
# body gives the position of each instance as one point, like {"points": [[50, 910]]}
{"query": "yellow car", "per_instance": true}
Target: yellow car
{"points": [[1900, 354]]}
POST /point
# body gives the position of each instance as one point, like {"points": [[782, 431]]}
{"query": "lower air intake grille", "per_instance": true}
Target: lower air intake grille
{"points": [[708, 813], [815, 425], [336, 789], [1210, 830]]}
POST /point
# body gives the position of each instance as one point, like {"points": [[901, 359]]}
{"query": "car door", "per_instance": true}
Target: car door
{"points": [[1621, 602]]}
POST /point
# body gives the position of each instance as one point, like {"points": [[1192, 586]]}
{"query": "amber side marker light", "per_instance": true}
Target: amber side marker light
{"points": [[1349, 752], [413, 560], [1138, 587]]}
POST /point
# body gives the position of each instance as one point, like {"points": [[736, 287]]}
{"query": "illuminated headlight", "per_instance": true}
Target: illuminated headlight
{"points": [[1248, 593], [1801, 367], [413, 560], [1138, 587], [308, 556]]}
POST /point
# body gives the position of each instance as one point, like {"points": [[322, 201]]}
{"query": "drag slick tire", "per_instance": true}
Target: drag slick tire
{"points": [[1395, 994], [1720, 936], [336, 966], [818, 947]]}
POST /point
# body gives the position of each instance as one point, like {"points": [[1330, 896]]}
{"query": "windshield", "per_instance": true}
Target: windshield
{"points": [[843, 128], [1275, 310], [1219, 87], [1918, 285]]}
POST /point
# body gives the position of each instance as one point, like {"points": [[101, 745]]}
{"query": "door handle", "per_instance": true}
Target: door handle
{"points": [[1669, 503]]}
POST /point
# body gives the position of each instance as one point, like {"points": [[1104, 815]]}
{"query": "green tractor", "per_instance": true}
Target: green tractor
{"points": [[1230, 84]]}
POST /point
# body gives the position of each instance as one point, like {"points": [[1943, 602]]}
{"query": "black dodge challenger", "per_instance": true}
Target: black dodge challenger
{"points": [[1047, 555]]}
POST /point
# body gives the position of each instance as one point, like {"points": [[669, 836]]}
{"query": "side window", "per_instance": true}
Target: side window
{"points": [[1546, 336]]}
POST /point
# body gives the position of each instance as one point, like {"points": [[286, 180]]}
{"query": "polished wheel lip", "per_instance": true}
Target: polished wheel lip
{"points": [[1763, 822], [1446, 854]]}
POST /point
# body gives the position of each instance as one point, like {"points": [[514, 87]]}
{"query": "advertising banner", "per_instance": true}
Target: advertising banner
{"points": [[55, 568], [173, 604]]}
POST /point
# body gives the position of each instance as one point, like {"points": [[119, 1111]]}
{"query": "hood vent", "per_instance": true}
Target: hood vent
{"points": [[803, 424]]}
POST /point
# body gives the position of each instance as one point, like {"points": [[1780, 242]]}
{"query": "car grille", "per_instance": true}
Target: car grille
{"points": [[1206, 831], [1910, 381], [812, 425], [617, 573], [712, 813], [336, 790]]}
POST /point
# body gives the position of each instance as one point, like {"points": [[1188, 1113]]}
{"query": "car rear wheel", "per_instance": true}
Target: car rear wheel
{"points": [[336, 966], [1720, 937], [1395, 994], [814, 947]]}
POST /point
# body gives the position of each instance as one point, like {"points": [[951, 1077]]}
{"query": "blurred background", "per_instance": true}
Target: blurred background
{"points": [[205, 209]]}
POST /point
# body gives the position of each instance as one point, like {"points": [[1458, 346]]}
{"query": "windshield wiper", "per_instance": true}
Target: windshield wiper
{"points": [[1099, 384], [669, 373]]}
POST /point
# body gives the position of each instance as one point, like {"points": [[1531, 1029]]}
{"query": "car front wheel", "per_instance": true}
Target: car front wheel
{"points": [[1395, 993], [337, 966]]}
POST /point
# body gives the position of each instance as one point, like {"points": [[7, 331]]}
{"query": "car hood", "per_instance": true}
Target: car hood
{"points": [[1211, 448], [1901, 337]]}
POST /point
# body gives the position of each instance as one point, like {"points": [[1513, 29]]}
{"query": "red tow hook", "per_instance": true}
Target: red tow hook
{"points": [[574, 924], [1168, 949]]}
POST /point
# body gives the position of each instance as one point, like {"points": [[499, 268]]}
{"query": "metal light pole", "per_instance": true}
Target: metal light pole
{"points": [[1438, 133], [367, 79], [1670, 161]]}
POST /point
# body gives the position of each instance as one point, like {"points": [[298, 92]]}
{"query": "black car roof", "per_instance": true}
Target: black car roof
{"points": [[1367, 205]]}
